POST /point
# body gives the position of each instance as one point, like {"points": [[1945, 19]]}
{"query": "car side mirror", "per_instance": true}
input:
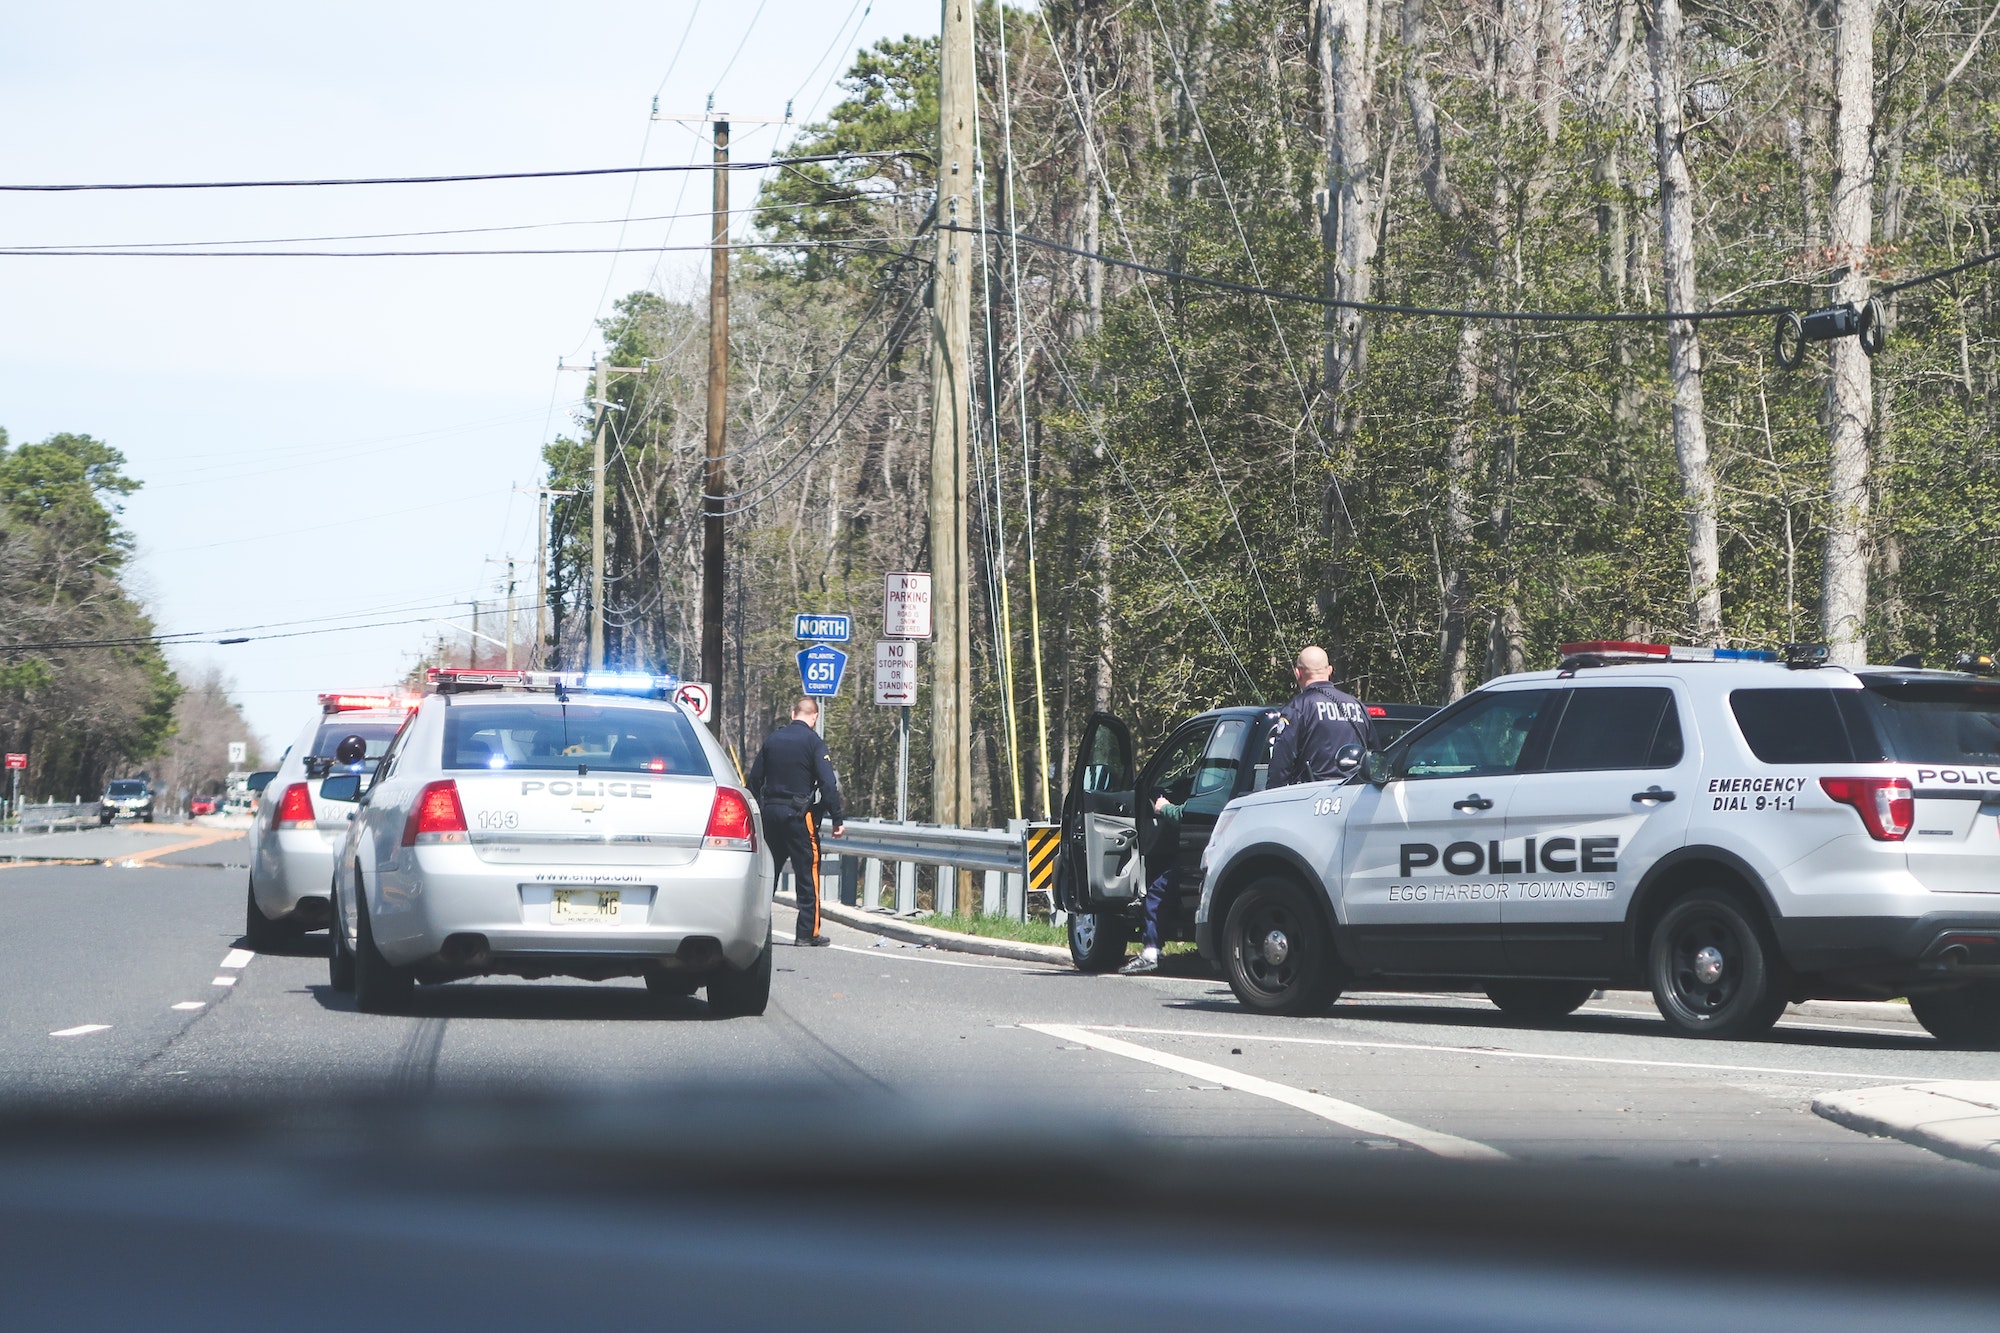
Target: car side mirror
{"points": [[1348, 758], [341, 787], [1376, 769]]}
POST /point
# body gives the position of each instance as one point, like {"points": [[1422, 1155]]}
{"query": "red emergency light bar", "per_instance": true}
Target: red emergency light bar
{"points": [[349, 703], [1377, 710], [1617, 648]]}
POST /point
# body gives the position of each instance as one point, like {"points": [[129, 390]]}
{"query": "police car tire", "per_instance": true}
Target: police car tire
{"points": [[1307, 978], [380, 987], [1966, 1017], [745, 994], [1538, 1001], [1748, 995], [259, 931], [339, 958], [1097, 940]]}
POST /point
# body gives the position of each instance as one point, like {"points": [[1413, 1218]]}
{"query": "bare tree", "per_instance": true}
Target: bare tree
{"points": [[1665, 44], [1850, 388]]}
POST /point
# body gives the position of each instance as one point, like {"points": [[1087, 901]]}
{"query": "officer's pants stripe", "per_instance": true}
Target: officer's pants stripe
{"points": [[811, 888]]}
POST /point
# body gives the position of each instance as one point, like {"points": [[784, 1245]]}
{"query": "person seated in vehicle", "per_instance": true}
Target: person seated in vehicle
{"points": [[1161, 855]]}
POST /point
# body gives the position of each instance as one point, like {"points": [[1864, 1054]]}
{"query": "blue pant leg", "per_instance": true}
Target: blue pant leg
{"points": [[1156, 897]]}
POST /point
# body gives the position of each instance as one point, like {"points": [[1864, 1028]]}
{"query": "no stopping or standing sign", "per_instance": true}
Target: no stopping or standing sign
{"points": [[896, 673]]}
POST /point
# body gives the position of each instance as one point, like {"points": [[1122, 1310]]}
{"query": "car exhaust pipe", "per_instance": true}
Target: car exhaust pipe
{"points": [[700, 953], [466, 950], [1954, 956]]}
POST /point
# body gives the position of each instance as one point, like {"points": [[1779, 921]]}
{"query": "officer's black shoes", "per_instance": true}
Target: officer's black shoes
{"points": [[813, 941]]}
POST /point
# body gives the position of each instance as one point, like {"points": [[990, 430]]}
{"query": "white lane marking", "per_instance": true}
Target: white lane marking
{"points": [[192, 1004], [1609, 1009], [917, 954], [1499, 1054], [82, 1030], [1357, 1118], [224, 981], [237, 958]]}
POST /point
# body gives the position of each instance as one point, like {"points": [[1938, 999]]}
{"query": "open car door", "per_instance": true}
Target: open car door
{"points": [[1101, 818]]}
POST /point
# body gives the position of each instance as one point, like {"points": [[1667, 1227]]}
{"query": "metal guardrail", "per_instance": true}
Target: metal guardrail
{"points": [[53, 816], [999, 855]]}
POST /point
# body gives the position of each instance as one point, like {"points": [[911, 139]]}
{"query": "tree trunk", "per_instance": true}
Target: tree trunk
{"points": [[1850, 390], [1683, 336], [1347, 225], [1461, 458]]}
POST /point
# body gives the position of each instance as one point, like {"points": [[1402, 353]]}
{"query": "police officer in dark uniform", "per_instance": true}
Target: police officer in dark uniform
{"points": [[1318, 721], [792, 765]]}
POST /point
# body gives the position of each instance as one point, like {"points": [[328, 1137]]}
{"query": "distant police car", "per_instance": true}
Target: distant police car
{"points": [[1728, 830], [298, 825], [538, 824]]}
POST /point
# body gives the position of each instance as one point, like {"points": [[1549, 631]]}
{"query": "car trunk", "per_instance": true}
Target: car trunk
{"points": [[1947, 730], [563, 818]]}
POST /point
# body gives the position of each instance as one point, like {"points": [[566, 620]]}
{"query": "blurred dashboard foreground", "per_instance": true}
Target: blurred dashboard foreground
{"points": [[763, 1207]]}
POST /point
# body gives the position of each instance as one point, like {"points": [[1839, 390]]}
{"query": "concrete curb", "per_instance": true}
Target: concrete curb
{"points": [[910, 933], [1954, 1119]]}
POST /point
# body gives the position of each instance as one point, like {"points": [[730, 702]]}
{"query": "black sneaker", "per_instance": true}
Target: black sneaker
{"points": [[812, 941]]}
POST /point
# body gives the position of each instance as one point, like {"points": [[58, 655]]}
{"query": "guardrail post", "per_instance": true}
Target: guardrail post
{"points": [[871, 883], [906, 888], [992, 902], [1015, 896]]}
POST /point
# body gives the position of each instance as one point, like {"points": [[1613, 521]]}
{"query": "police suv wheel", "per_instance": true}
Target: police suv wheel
{"points": [[1538, 1001], [1711, 971], [339, 957], [1278, 955], [1097, 940], [1967, 1017]]}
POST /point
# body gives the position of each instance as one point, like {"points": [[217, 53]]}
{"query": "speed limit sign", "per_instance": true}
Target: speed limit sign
{"points": [[697, 695]]}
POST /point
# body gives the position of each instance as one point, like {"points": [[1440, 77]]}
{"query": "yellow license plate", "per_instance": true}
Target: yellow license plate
{"points": [[584, 905]]}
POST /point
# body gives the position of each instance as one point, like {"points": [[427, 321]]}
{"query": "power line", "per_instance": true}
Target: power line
{"points": [[1394, 308], [865, 244], [566, 173], [186, 639]]}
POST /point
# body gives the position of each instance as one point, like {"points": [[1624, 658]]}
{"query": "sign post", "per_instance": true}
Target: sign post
{"points": [[896, 687], [15, 763]]}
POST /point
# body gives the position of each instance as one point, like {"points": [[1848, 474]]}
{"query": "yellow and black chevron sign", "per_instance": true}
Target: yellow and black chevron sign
{"points": [[1044, 842]]}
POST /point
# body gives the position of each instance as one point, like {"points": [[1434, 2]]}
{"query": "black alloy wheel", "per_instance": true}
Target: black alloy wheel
{"points": [[1966, 1017], [1097, 940], [380, 987], [1536, 1001], [1712, 971], [1277, 953]]}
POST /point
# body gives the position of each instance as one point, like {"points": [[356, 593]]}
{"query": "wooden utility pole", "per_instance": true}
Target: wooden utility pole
{"points": [[951, 410], [543, 494], [597, 523], [715, 473], [511, 636]]}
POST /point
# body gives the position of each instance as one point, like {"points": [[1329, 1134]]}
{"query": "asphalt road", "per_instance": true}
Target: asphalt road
{"points": [[129, 983]]}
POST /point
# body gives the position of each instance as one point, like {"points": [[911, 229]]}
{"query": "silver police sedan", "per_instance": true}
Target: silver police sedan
{"points": [[538, 824], [298, 825]]}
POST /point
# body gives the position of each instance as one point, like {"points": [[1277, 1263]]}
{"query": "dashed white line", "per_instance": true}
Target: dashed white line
{"points": [[1499, 1054], [224, 981], [82, 1030], [1347, 1114], [192, 1004], [237, 958]]}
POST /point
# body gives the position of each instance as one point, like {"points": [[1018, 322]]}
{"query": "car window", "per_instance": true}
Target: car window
{"points": [[1107, 766], [1617, 727], [1945, 723], [1805, 726], [600, 738], [1485, 736], [1173, 771], [332, 733], [1220, 758], [126, 787]]}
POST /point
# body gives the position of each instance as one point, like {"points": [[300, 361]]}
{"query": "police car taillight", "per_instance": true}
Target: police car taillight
{"points": [[1887, 806], [729, 826], [295, 808], [438, 816]]}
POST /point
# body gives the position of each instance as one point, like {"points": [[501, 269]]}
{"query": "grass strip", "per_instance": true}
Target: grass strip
{"points": [[994, 927]]}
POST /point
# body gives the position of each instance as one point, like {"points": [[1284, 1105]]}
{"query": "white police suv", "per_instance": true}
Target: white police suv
{"points": [[1729, 829], [538, 824], [298, 824]]}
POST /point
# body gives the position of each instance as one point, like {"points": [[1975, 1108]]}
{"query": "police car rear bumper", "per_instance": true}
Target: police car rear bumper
{"points": [[1888, 950]]}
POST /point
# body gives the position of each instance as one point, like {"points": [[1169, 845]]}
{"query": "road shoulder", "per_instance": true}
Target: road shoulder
{"points": [[1953, 1119], [877, 923]]}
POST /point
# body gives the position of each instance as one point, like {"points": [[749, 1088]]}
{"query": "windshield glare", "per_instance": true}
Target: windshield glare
{"points": [[127, 788], [602, 739], [1938, 724]]}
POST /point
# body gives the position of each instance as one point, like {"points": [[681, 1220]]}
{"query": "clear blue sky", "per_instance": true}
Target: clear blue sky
{"points": [[322, 436]]}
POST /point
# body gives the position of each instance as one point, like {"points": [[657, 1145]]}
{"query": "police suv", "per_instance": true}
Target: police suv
{"points": [[1729, 829]]}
